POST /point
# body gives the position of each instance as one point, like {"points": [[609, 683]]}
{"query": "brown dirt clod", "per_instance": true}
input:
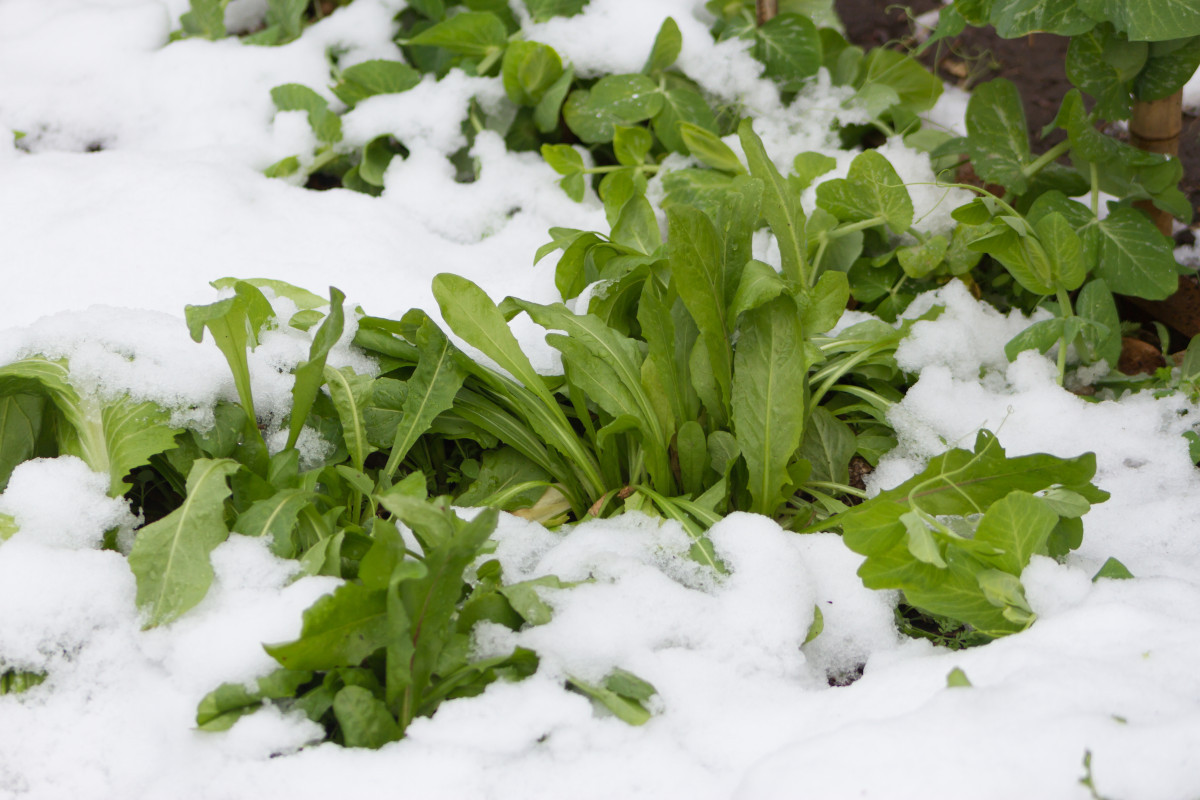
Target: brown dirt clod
{"points": [[1138, 357]]}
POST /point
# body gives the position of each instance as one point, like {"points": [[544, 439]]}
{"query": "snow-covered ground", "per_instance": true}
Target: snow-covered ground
{"points": [[101, 251]]}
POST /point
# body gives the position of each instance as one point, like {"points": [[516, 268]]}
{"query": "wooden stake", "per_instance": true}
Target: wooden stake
{"points": [[766, 10], [1155, 127]]}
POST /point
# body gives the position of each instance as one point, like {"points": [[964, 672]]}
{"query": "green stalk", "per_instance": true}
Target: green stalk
{"points": [[970, 188], [637, 465], [831, 503], [833, 373], [843, 230], [537, 403], [1095, 176], [841, 488], [579, 402], [694, 519], [650, 168], [873, 398], [1048, 157], [1064, 302], [322, 159], [503, 496], [948, 478], [815, 266], [887, 130], [494, 54], [921, 238]]}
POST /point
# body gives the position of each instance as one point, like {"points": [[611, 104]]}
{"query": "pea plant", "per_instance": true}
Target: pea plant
{"points": [[626, 122], [1123, 53], [956, 538], [283, 22], [548, 102], [1131, 60]]}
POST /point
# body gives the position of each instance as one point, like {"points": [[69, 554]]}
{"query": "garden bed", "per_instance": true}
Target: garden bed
{"points": [[614, 638]]}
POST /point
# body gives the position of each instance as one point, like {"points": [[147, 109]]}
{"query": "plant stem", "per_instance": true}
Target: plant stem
{"points": [[1064, 302], [491, 58], [834, 372], [476, 124], [1048, 157], [650, 168], [971, 188], [843, 230], [837, 487], [1095, 177], [874, 398], [322, 158], [815, 266], [916, 234], [673, 508], [887, 130]]}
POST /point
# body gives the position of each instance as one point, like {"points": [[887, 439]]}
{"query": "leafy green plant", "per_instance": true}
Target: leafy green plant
{"points": [[321, 514], [550, 102], [394, 644], [1059, 245], [891, 86], [789, 45], [283, 23], [1128, 58], [627, 122], [1133, 59], [170, 558], [362, 171], [1121, 51], [384, 649], [805, 35], [695, 382], [43, 415], [15, 681], [696, 379], [955, 538], [1047, 244]]}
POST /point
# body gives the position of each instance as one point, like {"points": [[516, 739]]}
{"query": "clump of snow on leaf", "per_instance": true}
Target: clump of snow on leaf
{"points": [[61, 502], [1141, 455], [856, 622], [968, 335], [639, 592]]}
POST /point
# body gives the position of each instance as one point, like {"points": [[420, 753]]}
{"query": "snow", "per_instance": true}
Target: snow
{"points": [[32, 500], [1191, 94], [104, 249]]}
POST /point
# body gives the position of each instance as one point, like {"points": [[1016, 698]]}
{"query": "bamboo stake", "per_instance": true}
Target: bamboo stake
{"points": [[1155, 127], [766, 10]]}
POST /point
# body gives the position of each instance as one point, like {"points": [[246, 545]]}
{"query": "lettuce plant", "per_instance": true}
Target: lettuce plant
{"points": [[393, 644], [42, 414]]}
